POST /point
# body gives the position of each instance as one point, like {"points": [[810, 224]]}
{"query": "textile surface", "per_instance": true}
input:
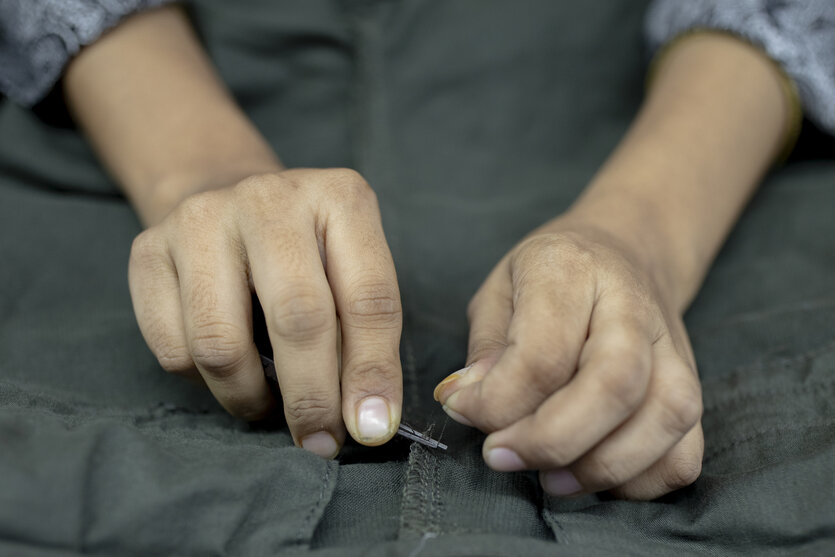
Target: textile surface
{"points": [[39, 37], [474, 123]]}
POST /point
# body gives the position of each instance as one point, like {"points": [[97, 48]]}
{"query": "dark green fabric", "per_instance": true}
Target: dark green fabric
{"points": [[474, 121]]}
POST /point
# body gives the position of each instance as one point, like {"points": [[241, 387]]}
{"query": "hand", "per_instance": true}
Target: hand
{"points": [[580, 368], [310, 244]]}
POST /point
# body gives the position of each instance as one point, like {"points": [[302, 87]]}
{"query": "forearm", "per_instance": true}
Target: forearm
{"points": [[158, 116], [709, 128]]}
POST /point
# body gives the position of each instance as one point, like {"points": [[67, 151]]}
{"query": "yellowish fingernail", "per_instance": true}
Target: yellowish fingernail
{"points": [[450, 379]]}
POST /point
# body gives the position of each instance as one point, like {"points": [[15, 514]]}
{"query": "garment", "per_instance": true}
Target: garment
{"points": [[474, 124], [39, 37]]}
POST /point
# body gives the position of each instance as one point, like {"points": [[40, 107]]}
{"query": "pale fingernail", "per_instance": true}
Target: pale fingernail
{"points": [[373, 419], [457, 417], [560, 482], [454, 376], [321, 443], [501, 459]]}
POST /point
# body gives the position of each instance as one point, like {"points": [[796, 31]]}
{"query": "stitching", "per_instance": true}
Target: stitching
{"points": [[721, 398], [435, 502], [725, 447], [421, 507], [308, 520], [730, 400], [800, 307], [548, 513], [412, 503], [776, 363]]}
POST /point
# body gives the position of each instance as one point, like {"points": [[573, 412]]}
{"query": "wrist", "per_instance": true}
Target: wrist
{"points": [[708, 130], [640, 229], [158, 115]]}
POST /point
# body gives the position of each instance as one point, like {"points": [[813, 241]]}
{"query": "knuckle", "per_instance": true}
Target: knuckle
{"points": [[554, 454], [250, 186], [546, 448], [351, 185], [555, 251], [301, 314], [250, 412], [681, 405], [174, 359], [311, 406], [537, 362], [249, 408], [544, 370], [350, 179], [367, 377], [196, 209], [624, 376], [682, 472], [169, 349], [145, 246], [484, 347], [601, 474], [262, 188], [621, 385], [375, 306], [148, 259], [218, 347]]}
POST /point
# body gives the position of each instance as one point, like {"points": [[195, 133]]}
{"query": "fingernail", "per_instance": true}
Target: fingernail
{"points": [[449, 408], [560, 482], [373, 419], [457, 417], [321, 443], [449, 379], [501, 459]]}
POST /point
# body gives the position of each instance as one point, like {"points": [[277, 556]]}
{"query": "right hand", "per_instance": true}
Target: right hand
{"points": [[310, 244]]}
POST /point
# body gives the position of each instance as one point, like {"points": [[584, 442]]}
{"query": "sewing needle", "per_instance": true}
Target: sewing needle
{"points": [[404, 430]]}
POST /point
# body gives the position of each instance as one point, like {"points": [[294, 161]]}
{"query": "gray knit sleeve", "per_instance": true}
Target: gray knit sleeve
{"points": [[38, 38], [798, 34]]}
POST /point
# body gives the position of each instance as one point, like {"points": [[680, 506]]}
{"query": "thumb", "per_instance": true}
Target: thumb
{"points": [[489, 314]]}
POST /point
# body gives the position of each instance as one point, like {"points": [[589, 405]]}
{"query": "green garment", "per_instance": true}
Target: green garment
{"points": [[474, 121]]}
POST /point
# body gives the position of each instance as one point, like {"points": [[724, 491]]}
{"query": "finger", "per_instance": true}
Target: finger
{"points": [[672, 408], [610, 384], [217, 312], [678, 468], [489, 314], [362, 277], [289, 279], [552, 306], [155, 293]]}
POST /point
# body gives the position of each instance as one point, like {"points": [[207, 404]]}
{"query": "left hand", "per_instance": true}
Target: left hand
{"points": [[579, 366]]}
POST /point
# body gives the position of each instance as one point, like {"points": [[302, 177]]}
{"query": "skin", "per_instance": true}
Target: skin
{"points": [[579, 364], [226, 219]]}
